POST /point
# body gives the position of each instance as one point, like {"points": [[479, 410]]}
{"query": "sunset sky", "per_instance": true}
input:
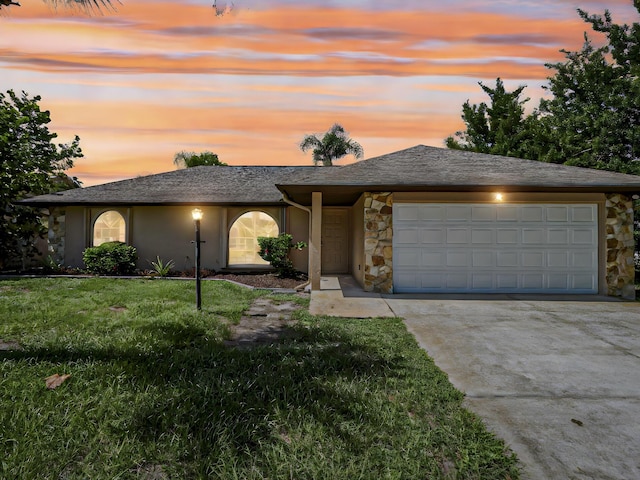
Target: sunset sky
{"points": [[154, 77]]}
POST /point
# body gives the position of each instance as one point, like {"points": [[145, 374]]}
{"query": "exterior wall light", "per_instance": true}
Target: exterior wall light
{"points": [[498, 197]]}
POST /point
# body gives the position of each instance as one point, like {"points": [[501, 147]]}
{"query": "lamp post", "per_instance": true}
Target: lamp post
{"points": [[196, 213]]}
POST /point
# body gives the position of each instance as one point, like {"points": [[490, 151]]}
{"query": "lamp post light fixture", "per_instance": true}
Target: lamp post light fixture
{"points": [[196, 213]]}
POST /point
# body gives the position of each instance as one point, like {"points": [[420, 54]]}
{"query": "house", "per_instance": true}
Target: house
{"points": [[423, 219]]}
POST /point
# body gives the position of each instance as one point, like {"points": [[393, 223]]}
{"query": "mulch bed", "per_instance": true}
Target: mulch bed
{"points": [[268, 280]]}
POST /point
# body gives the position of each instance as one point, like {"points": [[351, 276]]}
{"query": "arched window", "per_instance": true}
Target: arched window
{"points": [[109, 227], [243, 237]]}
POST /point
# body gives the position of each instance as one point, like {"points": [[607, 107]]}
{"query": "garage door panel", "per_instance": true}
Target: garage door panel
{"points": [[458, 259], [533, 236], [406, 282], [432, 235], [532, 214], [558, 281], [406, 212], [533, 259], [506, 281], [585, 260], [532, 281], [458, 213], [409, 257], [508, 259], [432, 212], [483, 259], [483, 213], [457, 236], [583, 236], [482, 281], [506, 213], [583, 214], [558, 259], [559, 236], [430, 281], [583, 282], [432, 259], [408, 236], [497, 248], [455, 281], [480, 236], [558, 214], [507, 236]]}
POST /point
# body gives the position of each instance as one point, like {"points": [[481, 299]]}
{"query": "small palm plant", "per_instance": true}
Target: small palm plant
{"points": [[161, 268]]}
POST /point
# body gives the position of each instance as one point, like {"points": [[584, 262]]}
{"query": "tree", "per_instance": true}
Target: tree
{"points": [[31, 165], [334, 145], [593, 117], [91, 5], [498, 128], [185, 159]]}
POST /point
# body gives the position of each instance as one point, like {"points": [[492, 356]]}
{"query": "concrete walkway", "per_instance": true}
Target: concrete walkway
{"points": [[557, 378]]}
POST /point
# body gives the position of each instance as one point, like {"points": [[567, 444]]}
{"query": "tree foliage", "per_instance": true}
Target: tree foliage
{"points": [[185, 159], [86, 4], [591, 119], [333, 145], [498, 127], [32, 164]]}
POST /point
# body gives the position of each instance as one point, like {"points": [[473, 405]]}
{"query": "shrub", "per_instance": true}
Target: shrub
{"points": [[110, 258], [275, 250]]}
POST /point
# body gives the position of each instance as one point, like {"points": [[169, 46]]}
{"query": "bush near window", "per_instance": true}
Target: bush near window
{"points": [[110, 258], [275, 250]]}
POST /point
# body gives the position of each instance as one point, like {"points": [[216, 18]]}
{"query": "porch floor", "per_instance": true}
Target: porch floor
{"points": [[341, 296]]}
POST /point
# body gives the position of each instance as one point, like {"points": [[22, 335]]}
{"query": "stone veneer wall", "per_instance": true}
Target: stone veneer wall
{"points": [[620, 246], [56, 235], [378, 237]]}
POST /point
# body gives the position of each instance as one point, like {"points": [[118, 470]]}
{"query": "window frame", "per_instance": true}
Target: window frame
{"points": [[94, 216], [232, 223]]}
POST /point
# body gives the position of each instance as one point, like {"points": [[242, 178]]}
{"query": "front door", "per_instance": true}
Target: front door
{"points": [[335, 240]]}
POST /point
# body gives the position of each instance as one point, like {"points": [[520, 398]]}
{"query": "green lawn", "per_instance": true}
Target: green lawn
{"points": [[154, 393]]}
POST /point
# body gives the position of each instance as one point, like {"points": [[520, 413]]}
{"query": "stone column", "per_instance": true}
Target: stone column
{"points": [[56, 235], [620, 246], [378, 240]]}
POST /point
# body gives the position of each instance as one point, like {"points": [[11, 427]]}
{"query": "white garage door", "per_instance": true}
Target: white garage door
{"points": [[533, 248]]}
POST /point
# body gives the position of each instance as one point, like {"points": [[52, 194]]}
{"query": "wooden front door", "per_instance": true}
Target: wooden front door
{"points": [[335, 240]]}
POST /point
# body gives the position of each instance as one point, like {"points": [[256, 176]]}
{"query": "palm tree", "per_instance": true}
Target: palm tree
{"points": [[192, 159], [334, 144], [88, 4]]}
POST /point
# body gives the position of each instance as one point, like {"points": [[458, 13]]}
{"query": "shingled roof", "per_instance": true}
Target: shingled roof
{"points": [[204, 185], [419, 168], [423, 168]]}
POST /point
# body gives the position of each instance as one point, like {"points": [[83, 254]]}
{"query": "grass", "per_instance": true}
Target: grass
{"points": [[155, 394]]}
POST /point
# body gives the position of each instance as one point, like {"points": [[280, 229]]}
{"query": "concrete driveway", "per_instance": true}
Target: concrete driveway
{"points": [[559, 381]]}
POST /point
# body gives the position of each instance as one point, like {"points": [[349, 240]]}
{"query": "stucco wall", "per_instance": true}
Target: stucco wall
{"points": [[168, 232], [298, 226], [75, 235]]}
